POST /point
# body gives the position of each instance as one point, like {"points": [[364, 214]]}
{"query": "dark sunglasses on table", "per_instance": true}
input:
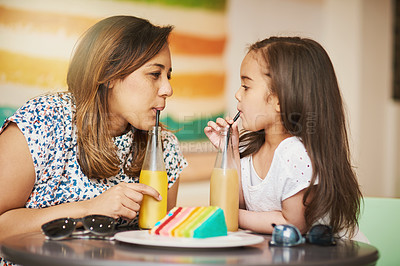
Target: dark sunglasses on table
{"points": [[287, 235], [99, 225]]}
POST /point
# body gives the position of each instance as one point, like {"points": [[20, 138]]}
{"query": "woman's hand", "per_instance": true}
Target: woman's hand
{"points": [[122, 200]]}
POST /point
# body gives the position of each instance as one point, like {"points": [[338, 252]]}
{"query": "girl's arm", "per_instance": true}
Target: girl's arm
{"points": [[17, 178], [292, 213], [242, 203]]}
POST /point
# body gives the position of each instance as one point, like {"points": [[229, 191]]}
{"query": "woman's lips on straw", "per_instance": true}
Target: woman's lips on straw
{"points": [[158, 109]]}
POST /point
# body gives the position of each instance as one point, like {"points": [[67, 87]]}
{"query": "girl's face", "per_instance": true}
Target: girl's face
{"points": [[259, 108], [136, 98]]}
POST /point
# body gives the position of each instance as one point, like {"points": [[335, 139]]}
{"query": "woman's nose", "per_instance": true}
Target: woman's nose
{"points": [[166, 89]]}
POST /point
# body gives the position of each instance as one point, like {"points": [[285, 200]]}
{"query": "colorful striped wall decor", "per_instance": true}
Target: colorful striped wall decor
{"points": [[37, 38]]}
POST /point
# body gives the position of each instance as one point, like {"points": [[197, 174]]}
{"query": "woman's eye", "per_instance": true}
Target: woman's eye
{"points": [[156, 75], [245, 87]]}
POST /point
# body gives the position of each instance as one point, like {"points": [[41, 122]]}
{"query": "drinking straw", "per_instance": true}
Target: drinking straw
{"points": [[227, 140], [236, 117], [158, 118], [157, 123], [229, 129]]}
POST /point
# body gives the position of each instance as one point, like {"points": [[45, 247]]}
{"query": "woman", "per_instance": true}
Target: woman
{"points": [[80, 152]]}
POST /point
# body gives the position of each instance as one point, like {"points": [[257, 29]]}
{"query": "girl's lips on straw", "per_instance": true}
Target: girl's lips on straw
{"points": [[238, 114]]}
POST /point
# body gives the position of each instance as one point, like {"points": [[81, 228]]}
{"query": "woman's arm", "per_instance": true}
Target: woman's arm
{"points": [[172, 195], [292, 213], [17, 178]]}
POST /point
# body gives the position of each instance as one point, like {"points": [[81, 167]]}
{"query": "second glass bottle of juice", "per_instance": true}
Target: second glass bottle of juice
{"points": [[153, 173], [224, 182]]}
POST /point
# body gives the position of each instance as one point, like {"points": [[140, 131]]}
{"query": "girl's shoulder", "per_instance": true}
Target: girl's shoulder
{"points": [[290, 146], [292, 153]]}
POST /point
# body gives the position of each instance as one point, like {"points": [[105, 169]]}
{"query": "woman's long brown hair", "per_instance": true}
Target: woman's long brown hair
{"points": [[303, 78], [110, 50]]}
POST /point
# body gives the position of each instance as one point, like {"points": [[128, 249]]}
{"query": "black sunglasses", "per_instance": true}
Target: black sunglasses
{"points": [[287, 235], [64, 227]]}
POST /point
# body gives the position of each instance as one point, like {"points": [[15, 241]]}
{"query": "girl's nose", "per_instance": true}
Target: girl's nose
{"points": [[238, 95]]}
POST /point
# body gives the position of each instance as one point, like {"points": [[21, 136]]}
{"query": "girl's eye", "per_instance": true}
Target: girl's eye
{"points": [[245, 87], [169, 76]]}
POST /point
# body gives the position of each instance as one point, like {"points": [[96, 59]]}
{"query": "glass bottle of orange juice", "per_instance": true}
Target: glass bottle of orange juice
{"points": [[224, 182], [153, 174]]}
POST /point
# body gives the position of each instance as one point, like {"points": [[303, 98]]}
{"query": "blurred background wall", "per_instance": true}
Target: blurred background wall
{"points": [[358, 36], [37, 38]]}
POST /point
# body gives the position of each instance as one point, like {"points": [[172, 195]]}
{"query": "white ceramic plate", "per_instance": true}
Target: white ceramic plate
{"points": [[233, 239]]}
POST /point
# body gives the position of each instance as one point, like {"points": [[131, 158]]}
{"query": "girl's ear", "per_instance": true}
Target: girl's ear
{"points": [[277, 107], [276, 104]]}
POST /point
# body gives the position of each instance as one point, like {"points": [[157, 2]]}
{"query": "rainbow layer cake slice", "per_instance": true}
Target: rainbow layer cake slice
{"points": [[193, 222]]}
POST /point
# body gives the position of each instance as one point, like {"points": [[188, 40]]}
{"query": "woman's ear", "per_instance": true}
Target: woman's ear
{"points": [[110, 84]]}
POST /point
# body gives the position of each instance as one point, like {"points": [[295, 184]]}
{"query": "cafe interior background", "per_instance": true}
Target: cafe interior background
{"points": [[37, 38]]}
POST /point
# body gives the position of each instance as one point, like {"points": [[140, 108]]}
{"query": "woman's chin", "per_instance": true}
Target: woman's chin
{"points": [[147, 126]]}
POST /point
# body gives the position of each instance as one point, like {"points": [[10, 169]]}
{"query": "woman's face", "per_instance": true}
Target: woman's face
{"points": [[259, 109], [136, 98]]}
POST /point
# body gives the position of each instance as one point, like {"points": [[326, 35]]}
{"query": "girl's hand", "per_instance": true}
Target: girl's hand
{"points": [[212, 131], [122, 200]]}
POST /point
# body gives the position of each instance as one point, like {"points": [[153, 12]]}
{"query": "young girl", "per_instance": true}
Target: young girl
{"points": [[293, 152]]}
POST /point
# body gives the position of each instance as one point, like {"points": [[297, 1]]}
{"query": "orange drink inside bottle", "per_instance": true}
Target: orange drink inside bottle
{"points": [[224, 191], [152, 210]]}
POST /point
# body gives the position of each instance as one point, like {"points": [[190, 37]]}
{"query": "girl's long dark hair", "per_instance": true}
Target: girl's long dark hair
{"points": [[110, 50], [304, 80]]}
